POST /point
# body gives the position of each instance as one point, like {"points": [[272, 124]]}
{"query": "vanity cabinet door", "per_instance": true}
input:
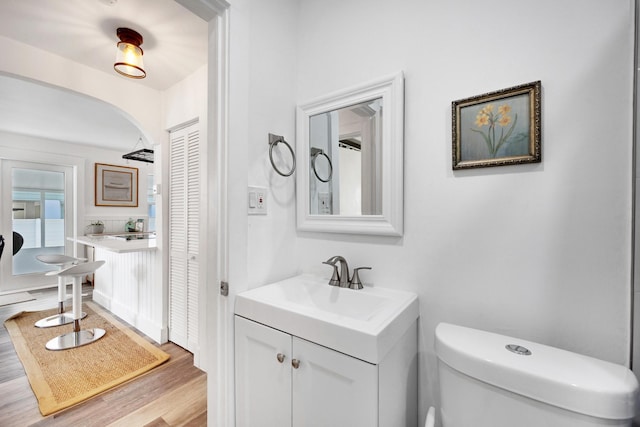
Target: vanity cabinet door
{"points": [[332, 389], [263, 375]]}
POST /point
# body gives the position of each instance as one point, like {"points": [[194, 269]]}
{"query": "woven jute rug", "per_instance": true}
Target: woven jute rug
{"points": [[60, 379]]}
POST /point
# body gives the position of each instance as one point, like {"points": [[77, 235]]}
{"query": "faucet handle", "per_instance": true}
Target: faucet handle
{"points": [[355, 280], [335, 278]]}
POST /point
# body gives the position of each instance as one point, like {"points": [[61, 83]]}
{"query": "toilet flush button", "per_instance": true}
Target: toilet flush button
{"points": [[518, 349]]}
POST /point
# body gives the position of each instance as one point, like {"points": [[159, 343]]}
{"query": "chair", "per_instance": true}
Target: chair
{"points": [[78, 337], [18, 241], [62, 261]]}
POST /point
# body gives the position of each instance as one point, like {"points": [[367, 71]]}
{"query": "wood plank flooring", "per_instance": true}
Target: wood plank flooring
{"points": [[174, 394]]}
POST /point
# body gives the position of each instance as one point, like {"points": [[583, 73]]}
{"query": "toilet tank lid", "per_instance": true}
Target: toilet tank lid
{"points": [[557, 377]]}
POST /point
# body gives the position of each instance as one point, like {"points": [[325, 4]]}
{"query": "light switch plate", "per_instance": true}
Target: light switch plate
{"points": [[324, 204], [257, 201]]}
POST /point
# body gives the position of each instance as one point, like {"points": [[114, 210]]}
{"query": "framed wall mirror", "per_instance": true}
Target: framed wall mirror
{"points": [[350, 146]]}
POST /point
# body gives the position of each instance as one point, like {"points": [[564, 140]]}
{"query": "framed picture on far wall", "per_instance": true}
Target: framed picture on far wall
{"points": [[116, 185], [498, 128]]}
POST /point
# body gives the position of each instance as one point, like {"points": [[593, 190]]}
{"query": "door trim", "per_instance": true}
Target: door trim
{"points": [[74, 201]]}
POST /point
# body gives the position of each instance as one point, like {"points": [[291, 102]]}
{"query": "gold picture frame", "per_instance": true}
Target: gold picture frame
{"points": [[116, 185], [498, 128]]}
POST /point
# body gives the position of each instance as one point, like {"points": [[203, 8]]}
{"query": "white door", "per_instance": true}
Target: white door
{"points": [[184, 236], [36, 208], [263, 375], [332, 389]]}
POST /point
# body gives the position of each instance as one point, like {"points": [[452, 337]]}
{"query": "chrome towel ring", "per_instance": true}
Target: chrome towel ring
{"points": [[315, 152], [273, 141]]}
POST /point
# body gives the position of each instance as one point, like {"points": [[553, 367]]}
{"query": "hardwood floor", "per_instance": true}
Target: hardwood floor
{"points": [[173, 394]]}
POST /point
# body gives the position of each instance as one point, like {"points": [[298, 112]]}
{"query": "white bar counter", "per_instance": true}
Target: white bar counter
{"points": [[119, 243], [127, 284]]}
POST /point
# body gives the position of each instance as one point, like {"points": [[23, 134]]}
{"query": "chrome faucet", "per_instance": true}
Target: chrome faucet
{"points": [[342, 278]]}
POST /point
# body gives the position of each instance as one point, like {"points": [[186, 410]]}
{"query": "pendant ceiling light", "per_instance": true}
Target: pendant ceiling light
{"points": [[129, 56]]}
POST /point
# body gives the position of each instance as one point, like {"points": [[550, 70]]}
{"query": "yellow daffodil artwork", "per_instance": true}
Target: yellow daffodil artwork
{"points": [[497, 128], [495, 125]]}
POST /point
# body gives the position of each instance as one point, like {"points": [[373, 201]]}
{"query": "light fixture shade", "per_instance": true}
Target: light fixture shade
{"points": [[129, 55]]}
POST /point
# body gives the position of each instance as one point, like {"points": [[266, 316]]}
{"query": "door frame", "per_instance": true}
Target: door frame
{"points": [[219, 321], [8, 281], [216, 317], [76, 200]]}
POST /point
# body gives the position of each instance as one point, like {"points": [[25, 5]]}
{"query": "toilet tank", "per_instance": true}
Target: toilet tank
{"points": [[491, 380]]}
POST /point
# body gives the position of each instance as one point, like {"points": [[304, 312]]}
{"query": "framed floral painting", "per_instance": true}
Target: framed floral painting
{"points": [[498, 128]]}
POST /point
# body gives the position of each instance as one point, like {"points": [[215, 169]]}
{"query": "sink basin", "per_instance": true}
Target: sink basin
{"points": [[363, 323], [306, 293]]}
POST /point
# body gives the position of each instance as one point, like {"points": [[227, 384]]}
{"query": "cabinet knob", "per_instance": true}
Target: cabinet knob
{"points": [[295, 363], [280, 357]]}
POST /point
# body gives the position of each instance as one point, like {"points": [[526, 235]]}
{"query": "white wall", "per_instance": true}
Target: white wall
{"points": [[262, 101], [32, 146], [262, 49], [186, 100], [541, 252], [142, 105]]}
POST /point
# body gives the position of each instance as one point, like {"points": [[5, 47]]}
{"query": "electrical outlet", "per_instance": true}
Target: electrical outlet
{"points": [[257, 201], [324, 204]]}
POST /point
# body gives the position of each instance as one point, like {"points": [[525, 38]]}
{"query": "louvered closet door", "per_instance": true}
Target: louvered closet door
{"points": [[184, 222]]}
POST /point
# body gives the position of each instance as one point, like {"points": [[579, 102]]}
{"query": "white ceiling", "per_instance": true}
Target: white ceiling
{"points": [[84, 31], [37, 110], [175, 40]]}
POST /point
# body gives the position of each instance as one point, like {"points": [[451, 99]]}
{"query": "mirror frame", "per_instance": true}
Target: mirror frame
{"points": [[390, 222]]}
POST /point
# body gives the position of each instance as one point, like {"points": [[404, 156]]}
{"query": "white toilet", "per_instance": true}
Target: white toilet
{"points": [[490, 380]]}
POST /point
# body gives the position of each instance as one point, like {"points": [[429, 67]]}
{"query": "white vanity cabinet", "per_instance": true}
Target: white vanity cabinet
{"points": [[263, 375], [283, 380], [310, 354]]}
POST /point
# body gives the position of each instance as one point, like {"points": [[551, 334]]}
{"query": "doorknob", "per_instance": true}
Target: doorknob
{"points": [[295, 363], [280, 357]]}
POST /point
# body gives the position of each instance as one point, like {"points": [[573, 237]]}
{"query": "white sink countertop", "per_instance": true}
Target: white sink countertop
{"points": [[116, 243], [363, 323]]}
